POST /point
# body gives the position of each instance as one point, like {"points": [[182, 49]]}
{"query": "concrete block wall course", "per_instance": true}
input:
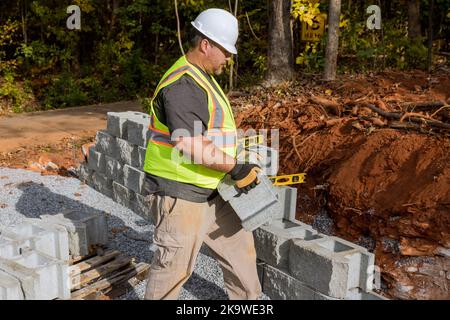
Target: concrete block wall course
{"points": [[330, 265], [272, 240], [127, 153], [47, 238], [85, 229], [133, 179], [41, 276], [96, 161], [10, 287], [256, 207], [105, 143]]}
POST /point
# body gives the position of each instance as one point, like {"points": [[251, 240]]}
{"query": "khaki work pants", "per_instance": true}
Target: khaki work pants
{"points": [[181, 228]]}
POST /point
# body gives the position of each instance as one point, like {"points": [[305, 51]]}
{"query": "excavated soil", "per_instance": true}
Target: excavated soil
{"points": [[385, 188]]}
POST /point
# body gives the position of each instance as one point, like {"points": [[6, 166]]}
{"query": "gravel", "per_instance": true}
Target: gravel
{"points": [[29, 194]]}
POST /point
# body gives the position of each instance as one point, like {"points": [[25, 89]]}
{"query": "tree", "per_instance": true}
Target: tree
{"points": [[414, 30], [280, 56], [331, 54]]}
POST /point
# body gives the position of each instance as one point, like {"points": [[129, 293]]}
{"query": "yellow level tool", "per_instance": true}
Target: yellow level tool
{"points": [[252, 140], [288, 179]]}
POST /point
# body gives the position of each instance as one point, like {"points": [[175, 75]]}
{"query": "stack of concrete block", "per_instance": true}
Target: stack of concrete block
{"points": [[297, 262], [34, 259], [86, 230], [115, 165]]}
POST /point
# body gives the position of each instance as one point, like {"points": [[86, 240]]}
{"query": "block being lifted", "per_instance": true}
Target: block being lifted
{"points": [[256, 207]]}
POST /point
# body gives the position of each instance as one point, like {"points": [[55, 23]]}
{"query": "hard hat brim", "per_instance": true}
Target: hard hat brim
{"points": [[230, 48]]}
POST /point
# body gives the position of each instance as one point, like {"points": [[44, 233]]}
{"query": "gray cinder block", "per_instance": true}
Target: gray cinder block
{"points": [[138, 129], [47, 238], [256, 207], [86, 230], [102, 184], [287, 203], [105, 143], [41, 276], [133, 179], [142, 152], [10, 287], [123, 196], [272, 240], [331, 265], [85, 173], [127, 153], [113, 169], [96, 161], [10, 248], [140, 206], [116, 124], [279, 285]]}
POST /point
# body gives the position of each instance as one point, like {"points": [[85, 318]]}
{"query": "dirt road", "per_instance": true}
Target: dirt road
{"points": [[49, 127]]}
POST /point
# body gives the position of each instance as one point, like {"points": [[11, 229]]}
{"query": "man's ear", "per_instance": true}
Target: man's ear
{"points": [[203, 46]]}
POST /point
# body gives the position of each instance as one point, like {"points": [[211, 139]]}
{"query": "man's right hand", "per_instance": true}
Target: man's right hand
{"points": [[245, 175]]}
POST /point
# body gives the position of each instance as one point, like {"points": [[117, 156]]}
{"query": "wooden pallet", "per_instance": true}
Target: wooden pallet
{"points": [[104, 276]]}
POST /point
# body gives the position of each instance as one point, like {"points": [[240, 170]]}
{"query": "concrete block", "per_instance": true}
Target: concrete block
{"points": [[127, 153], [331, 265], [96, 161], [138, 129], [105, 143], [48, 238], [133, 179], [140, 206], [279, 285], [287, 203], [102, 184], [116, 124], [86, 230], [10, 287], [141, 159], [41, 276], [272, 240], [85, 173], [123, 196], [256, 207], [113, 169]]}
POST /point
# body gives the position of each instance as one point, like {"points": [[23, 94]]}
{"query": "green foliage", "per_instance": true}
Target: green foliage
{"points": [[15, 93], [64, 91]]}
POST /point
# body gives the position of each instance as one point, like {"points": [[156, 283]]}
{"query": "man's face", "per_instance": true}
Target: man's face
{"points": [[217, 58]]}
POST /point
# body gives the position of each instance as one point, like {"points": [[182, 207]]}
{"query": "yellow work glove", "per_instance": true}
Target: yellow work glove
{"points": [[245, 175]]}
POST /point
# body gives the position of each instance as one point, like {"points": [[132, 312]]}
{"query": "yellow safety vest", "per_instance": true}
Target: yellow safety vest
{"points": [[162, 159]]}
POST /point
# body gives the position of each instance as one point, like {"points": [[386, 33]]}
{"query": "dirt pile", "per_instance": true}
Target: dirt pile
{"points": [[378, 181]]}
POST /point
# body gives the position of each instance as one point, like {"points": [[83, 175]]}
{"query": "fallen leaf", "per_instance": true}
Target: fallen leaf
{"points": [[77, 194]]}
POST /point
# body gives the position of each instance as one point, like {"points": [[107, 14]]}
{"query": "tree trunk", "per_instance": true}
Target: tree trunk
{"points": [[280, 56], [414, 30], [331, 54]]}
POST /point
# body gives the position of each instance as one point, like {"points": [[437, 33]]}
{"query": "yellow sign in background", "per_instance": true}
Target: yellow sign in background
{"points": [[314, 32]]}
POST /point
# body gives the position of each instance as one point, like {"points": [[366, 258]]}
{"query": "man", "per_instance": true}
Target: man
{"points": [[191, 118]]}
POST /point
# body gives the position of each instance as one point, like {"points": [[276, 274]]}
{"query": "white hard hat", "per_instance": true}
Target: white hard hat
{"points": [[220, 26]]}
